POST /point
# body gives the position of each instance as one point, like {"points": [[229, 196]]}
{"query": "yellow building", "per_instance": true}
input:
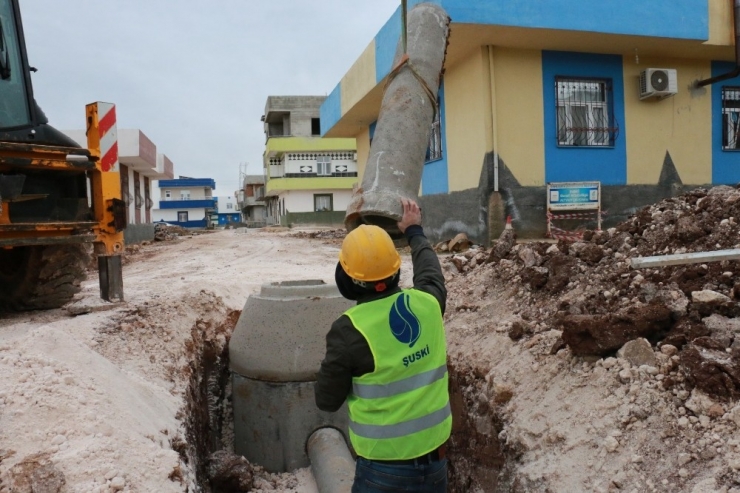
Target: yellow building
{"points": [[536, 93], [308, 179]]}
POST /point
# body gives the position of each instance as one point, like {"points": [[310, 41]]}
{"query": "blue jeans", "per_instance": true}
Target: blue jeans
{"points": [[377, 477]]}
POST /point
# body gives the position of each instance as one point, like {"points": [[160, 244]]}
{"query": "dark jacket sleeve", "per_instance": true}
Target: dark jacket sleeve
{"points": [[428, 275], [347, 355]]}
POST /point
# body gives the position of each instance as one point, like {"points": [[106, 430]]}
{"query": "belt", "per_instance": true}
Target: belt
{"points": [[433, 456]]}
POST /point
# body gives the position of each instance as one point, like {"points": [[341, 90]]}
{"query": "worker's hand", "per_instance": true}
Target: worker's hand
{"points": [[411, 214]]}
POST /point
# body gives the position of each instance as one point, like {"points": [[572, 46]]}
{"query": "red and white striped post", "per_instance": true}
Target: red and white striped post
{"points": [[109, 209]]}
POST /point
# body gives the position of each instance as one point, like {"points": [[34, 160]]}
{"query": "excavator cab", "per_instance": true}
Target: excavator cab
{"points": [[55, 199]]}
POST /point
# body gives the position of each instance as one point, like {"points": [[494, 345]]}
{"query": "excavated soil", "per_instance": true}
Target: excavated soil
{"points": [[573, 371]]}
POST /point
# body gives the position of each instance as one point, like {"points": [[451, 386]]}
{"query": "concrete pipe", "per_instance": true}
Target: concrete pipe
{"points": [[332, 464], [401, 138], [275, 351]]}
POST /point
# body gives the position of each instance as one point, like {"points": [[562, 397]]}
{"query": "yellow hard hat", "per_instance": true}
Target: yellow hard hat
{"points": [[368, 254]]}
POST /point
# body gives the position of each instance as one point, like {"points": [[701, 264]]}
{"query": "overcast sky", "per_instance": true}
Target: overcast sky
{"points": [[193, 75]]}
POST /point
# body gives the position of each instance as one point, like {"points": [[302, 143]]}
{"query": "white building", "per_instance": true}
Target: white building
{"points": [[140, 166], [187, 202]]}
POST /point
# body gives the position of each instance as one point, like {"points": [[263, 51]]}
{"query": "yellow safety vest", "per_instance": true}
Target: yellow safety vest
{"points": [[401, 410]]}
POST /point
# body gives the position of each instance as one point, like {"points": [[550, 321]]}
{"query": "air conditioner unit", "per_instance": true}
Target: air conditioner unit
{"points": [[658, 82]]}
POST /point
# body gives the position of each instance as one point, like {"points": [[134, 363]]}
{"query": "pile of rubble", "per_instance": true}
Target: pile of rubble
{"points": [[324, 234], [590, 292], [664, 343], [168, 232]]}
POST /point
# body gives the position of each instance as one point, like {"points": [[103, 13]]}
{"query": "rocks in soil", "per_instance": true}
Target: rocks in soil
{"points": [[638, 352], [34, 474], [229, 473], [168, 232], [602, 335], [713, 371]]}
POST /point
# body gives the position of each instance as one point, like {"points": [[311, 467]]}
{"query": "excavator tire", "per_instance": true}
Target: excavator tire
{"points": [[41, 277]]}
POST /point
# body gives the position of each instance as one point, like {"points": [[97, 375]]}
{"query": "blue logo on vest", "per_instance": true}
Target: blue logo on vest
{"points": [[404, 324]]}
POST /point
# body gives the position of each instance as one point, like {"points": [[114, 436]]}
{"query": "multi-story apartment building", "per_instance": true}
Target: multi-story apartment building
{"points": [[308, 179], [541, 92], [187, 202], [251, 200]]}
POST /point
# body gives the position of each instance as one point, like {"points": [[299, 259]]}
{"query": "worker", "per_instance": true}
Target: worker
{"points": [[387, 358]]}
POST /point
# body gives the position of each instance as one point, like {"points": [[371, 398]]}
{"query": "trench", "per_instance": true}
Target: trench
{"points": [[479, 459], [206, 414]]}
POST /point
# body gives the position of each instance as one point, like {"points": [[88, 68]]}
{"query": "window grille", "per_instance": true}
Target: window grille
{"points": [[585, 112], [434, 151], [731, 118]]}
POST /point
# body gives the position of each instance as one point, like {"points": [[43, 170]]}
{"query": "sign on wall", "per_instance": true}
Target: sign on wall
{"points": [[572, 196], [580, 195]]}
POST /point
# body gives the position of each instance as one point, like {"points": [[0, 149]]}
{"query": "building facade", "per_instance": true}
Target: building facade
{"points": [[251, 200], [140, 166], [536, 93], [308, 179], [186, 202], [227, 211]]}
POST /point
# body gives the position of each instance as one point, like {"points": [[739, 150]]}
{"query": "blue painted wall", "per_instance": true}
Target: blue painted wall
{"points": [[188, 204], [331, 109], [682, 19], [386, 42], [188, 183], [725, 164], [224, 219], [434, 178], [190, 224], [605, 164]]}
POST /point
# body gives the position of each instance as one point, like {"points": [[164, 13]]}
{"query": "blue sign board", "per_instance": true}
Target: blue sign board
{"points": [[574, 195]]}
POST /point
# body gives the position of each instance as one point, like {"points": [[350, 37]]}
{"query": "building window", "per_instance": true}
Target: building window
{"points": [[229, 206], [323, 165], [731, 118], [585, 112], [315, 126], [434, 151], [168, 194], [182, 216], [184, 194], [323, 202]]}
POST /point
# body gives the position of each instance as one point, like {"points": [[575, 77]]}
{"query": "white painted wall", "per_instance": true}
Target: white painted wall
{"points": [[223, 207], [170, 215], [293, 164], [196, 193], [302, 200]]}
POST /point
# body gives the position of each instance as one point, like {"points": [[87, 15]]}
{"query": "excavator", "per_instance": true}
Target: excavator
{"points": [[59, 202]]}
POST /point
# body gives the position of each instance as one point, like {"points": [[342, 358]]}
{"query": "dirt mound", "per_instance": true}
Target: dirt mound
{"points": [[665, 340]]}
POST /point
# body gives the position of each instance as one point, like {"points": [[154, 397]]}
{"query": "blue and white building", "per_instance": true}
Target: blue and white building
{"points": [[186, 202], [227, 211]]}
